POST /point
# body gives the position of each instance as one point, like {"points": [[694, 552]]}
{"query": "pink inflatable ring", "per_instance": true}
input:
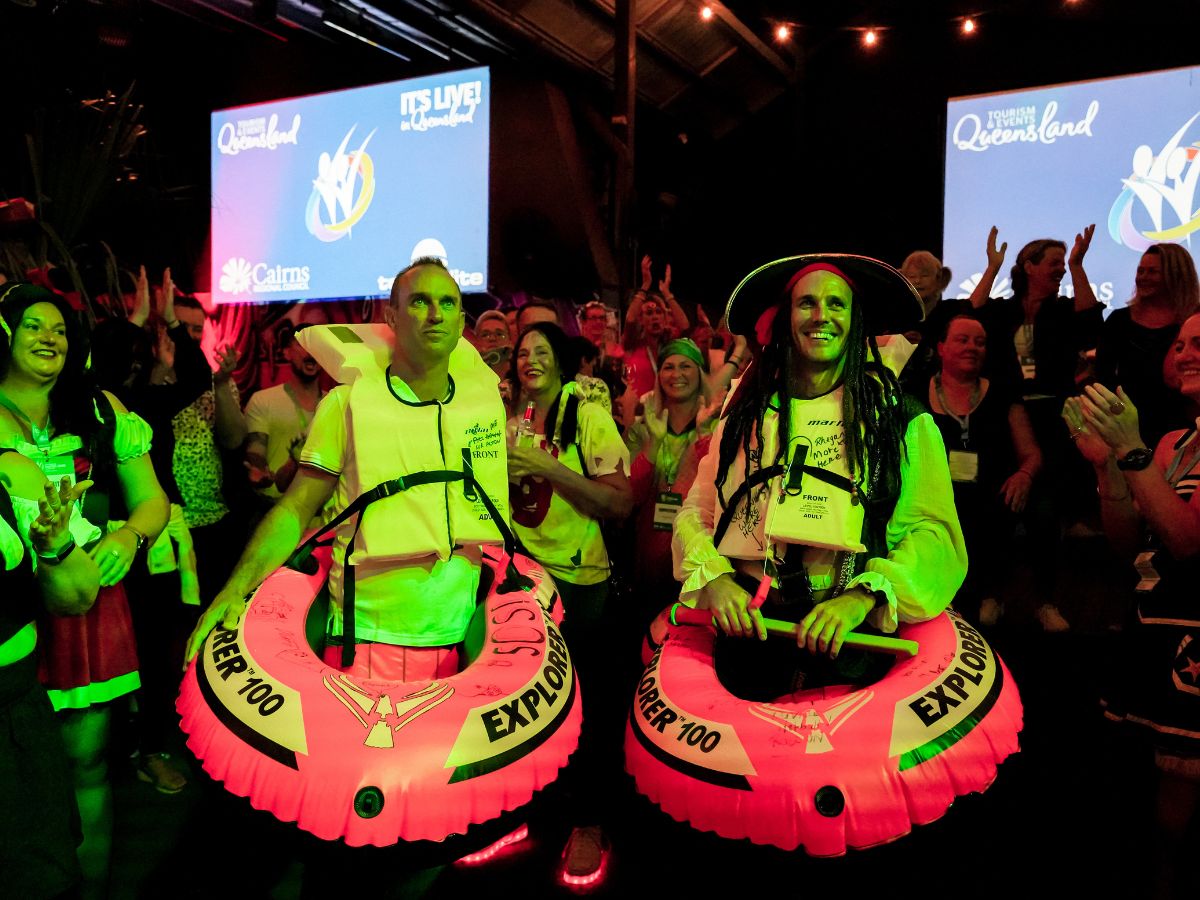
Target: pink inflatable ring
{"points": [[824, 769], [382, 762]]}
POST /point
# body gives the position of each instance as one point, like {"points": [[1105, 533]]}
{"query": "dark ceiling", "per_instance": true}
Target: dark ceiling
{"points": [[747, 146]]}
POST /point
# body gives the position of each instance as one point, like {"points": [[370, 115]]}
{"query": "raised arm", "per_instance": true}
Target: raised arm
{"points": [[678, 317], [230, 427], [995, 259], [1174, 521], [67, 576], [1085, 297]]}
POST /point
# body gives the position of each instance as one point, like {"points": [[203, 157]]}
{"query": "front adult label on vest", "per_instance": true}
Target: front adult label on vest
{"points": [[812, 504], [486, 439]]}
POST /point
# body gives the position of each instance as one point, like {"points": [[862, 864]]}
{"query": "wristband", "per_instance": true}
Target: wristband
{"points": [[53, 559]]}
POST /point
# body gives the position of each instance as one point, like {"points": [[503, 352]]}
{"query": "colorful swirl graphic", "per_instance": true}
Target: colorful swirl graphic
{"points": [[335, 231]]}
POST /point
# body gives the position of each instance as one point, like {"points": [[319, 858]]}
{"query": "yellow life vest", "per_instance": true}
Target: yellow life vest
{"points": [[390, 438], [811, 502]]}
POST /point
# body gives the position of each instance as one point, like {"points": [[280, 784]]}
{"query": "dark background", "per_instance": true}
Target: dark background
{"points": [[850, 158]]}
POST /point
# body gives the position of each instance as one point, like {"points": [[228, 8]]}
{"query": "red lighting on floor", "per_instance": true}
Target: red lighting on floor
{"points": [[474, 859], [706, 13], [582, 881]]}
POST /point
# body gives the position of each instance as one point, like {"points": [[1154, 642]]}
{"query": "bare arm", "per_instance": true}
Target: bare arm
{"points": [[271, 544], [256, 460], [678, 316], [1029, 459], [1085, 297], [68, 587], [721, 377], [633, 317], [230, 427], [1175, 521], [995, 259]]}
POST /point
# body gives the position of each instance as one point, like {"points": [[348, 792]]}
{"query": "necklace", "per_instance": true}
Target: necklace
{"points": [[964, 422], [39, 434]]}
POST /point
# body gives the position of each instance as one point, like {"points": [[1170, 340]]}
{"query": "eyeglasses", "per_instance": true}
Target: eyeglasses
{"points": [[493, 333]]}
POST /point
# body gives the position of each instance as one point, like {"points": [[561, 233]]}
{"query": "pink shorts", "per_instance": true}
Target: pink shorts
{"points": [[389, 662]]}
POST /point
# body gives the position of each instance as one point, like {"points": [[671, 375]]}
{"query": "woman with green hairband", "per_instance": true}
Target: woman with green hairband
{"points": [[666, 445]]}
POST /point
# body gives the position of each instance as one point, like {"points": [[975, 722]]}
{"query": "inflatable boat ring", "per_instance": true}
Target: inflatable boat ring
{"points": [[379, 762], [823, 769]]}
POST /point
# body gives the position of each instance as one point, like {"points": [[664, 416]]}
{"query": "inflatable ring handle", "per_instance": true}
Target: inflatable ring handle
{"points": [[683, 615]]}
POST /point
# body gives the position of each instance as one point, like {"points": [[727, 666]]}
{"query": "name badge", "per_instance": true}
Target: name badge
{"points": [[55, 467], [964, 466], [666, 508]]}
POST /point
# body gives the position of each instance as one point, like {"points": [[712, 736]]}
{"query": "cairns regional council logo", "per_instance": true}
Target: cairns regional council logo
{"points": [[342, 191], [1161, 192], [240, 276]]}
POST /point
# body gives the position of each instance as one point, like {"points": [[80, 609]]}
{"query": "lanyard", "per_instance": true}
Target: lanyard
{"points": [[39, 435], [964, 422], [301, 412]]}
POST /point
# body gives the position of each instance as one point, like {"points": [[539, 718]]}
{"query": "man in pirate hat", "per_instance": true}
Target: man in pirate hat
{"points": [[827, 494]]}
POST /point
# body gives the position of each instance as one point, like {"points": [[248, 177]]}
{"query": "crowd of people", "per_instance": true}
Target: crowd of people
{"points": [[964, 438]]}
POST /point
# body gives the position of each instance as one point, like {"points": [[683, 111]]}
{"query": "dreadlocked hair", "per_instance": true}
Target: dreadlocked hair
{"points": [[871, 398]]}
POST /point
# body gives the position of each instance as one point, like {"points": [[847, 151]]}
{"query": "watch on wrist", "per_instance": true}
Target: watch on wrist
{"points": [[1135, 460], [53, 559]]}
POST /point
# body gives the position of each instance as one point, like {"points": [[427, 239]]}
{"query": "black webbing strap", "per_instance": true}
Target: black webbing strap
{"points": [[755, 479], [300, 559], [762, 475]]}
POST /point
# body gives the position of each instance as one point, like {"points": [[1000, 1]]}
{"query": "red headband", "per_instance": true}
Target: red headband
{"points": [[766, 321]]}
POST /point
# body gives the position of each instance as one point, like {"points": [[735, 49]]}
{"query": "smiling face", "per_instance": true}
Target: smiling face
{"points": [[923, 275], [1149, 279], [1046, 274], [1186, 355], [679, 378], [821, 304], [964, 349], [39, 343], [425, 315], [537, 368]]}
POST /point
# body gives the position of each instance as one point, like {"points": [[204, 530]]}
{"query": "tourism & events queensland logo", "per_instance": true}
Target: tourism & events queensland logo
{"points": [[258, 133], [1023, 124], [240, 276], [342, 191], [1158, 202]]}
